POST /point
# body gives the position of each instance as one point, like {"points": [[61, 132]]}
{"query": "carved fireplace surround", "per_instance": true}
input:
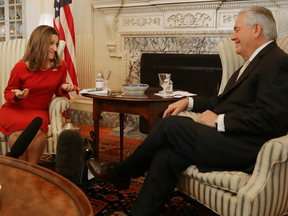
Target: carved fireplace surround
{"points": [[170, 26]]}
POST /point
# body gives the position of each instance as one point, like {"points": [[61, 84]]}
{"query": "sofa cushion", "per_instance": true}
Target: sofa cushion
{"points": [[227, 180]]}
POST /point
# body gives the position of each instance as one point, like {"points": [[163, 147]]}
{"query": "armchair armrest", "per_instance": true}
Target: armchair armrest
{"points": [[268, 181], [57, 106]]}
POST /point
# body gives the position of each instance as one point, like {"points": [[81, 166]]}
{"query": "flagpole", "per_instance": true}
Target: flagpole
{"points": [[64, 24]]}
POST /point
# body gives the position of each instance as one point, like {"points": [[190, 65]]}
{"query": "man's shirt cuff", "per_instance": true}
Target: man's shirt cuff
{"points": [[191, 103], [220, 124]]}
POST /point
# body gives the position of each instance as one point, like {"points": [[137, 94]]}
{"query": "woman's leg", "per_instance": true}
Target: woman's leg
{"points": [[11, 140], [36, 147], [34, 150]]}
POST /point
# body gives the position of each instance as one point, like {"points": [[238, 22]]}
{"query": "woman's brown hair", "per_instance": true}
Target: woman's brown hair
{"points": [[36, 54]]}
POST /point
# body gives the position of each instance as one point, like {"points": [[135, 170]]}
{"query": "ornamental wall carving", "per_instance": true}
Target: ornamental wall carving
{"points": [[142, 21], [178, 19], [172, 21], [190, 20]]}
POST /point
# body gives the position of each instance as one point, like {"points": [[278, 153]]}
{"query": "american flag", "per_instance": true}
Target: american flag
{"points": [[63, 23]]}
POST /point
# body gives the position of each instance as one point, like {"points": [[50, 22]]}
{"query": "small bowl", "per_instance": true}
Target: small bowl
{"points": [[135, 89]]}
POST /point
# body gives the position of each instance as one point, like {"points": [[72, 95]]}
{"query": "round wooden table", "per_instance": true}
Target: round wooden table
{"points": [[148, 105], [28, 189]]}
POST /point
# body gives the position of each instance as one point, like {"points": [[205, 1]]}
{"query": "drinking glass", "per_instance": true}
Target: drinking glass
{"points": [[164, 79], [105, 75]]}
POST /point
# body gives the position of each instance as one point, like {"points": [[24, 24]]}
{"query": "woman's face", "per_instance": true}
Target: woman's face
{"points": [[53, 46]]}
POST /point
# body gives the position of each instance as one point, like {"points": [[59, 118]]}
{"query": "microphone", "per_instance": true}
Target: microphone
{"points": [[69, 153], [25, 138]]}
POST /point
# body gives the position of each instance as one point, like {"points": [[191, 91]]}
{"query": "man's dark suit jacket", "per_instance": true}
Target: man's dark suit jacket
{"points": [[255, 108]]}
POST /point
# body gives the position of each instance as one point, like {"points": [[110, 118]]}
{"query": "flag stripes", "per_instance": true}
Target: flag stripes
{"points": [[64, 24]]}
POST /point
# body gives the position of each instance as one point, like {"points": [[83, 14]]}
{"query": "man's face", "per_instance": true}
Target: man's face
{"points": [[243, 37]]}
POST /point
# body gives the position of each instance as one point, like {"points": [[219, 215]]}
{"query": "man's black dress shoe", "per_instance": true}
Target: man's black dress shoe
{"points": [[104, 171]]}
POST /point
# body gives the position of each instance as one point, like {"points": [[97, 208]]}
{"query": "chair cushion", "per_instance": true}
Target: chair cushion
{"points": [[231, 181]]}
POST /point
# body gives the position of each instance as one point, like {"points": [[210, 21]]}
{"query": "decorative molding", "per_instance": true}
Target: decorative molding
{"points": [[119, 45], [139, 3], [223, 33], [142, 21], [240, 4], [135, 6], [165, 18], [192, 6], [229, 18], [105, 3], [283, 16], [111, 21], [126, 66], [281, 3], [170, 7], [189, 20]]}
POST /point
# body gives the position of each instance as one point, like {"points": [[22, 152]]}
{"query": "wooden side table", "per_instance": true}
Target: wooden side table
{"points": [[28, 189], [149, 106]]}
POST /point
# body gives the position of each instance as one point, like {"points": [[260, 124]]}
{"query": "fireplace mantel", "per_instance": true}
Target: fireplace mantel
{"points": [[137, 3], [163, 18]]}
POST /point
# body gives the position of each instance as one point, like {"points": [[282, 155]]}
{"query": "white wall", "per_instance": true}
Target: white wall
{"points": [[33, 10], [32, 15], [102, 59]]}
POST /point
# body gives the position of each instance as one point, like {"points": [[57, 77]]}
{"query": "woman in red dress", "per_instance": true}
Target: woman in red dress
{"points": [[34, 80]]}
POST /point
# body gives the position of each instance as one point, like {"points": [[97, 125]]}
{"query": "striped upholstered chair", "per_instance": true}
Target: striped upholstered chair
{"points": [[10, 53], [265, 191]]}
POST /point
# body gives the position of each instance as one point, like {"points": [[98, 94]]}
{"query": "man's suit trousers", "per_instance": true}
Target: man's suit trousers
{"points": [[168, 149]]}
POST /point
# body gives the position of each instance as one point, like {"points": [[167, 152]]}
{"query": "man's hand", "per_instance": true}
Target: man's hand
{"points": [[21, 94], [208, 118], [69, 87], [175, 108]]}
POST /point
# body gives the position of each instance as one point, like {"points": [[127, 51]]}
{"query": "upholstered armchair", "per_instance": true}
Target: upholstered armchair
{"points": [[265, 191], [10, 53]]}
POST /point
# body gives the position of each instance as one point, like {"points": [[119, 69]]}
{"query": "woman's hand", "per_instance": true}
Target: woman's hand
{"points": [[69, 87], [175, 108], [21, 94]]}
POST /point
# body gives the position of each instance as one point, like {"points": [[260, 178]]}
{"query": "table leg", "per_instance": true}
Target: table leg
{"points": [[96, 135], [121, 115]]}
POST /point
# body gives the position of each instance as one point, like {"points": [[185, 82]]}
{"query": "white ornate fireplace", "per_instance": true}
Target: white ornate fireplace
{"points": [[145, 22], [170, 26]]}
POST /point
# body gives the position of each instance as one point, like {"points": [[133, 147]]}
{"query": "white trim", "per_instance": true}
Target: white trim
{"points": [[83, 104]]}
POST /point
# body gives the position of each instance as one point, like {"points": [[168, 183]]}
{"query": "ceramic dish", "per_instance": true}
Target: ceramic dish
{"points": [[135, 89]]}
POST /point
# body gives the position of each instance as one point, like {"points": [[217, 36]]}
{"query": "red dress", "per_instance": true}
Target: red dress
{"points": [[42, 85]]}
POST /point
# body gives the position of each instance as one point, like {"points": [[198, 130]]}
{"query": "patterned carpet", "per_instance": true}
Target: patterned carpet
{"points": [[108, 201]]}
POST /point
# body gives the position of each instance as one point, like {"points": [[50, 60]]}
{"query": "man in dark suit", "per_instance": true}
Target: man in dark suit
{"points": [[233, 126]]}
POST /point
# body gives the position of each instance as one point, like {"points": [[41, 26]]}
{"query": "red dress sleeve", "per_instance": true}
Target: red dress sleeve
{"points": [[14, 82], [63, 69]]}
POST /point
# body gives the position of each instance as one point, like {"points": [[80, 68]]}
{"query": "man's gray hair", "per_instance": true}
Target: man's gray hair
{"points": [[262, 15]]}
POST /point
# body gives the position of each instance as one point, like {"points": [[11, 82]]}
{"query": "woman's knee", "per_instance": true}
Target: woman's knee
{"points": [[40, 135]]}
